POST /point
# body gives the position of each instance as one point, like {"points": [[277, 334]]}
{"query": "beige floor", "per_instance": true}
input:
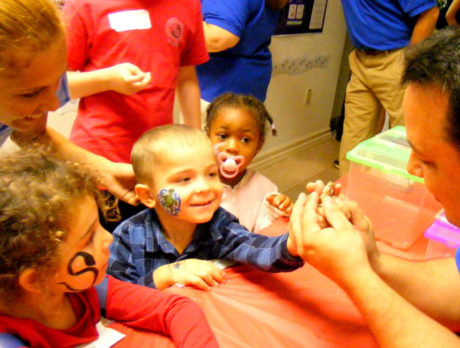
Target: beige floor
{"points": [[299, 168]]}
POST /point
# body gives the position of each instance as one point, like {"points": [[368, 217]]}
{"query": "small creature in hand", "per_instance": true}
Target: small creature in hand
{"points": [[328, 190]]}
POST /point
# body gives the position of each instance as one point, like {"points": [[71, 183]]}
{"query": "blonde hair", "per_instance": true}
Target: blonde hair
{"points": [[166, 140], [27, 26]]}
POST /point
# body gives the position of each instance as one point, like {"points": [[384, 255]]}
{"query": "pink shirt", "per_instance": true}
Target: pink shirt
{"points": [[247, 201]]}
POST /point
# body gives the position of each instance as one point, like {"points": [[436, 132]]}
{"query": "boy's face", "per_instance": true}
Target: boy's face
{"points": [[85, 253], [28, 95], [186, 184]]}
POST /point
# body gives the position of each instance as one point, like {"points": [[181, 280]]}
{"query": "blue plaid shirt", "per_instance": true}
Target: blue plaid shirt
{"points": [[139, 247]]}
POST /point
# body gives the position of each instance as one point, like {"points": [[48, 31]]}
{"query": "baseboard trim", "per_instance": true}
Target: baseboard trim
{"points": [[272, 156]]}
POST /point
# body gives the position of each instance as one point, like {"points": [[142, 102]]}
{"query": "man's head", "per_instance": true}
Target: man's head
{"points": [[432, 111], [436, 62], [177, 173]]}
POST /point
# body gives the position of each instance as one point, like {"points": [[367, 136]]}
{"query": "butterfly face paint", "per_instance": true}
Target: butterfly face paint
{"points": [[229, 165], [170, 201], [81, 264]]}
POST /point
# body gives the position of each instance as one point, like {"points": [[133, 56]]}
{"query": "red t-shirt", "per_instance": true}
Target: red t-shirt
{"points": [[100, 34], [133, 305]]}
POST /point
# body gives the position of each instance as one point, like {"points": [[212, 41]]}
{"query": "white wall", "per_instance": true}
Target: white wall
{"points": [[299, 123]]}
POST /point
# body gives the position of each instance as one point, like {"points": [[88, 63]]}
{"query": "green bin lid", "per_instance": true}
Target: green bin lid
{"points": [[388, 152]]}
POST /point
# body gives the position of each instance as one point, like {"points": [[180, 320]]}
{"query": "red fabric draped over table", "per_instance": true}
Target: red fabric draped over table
{"points": [[255, 309]]}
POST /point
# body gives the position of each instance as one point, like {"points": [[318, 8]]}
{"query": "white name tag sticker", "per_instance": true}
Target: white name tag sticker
{"points": [[107, 337], [129, 20]]}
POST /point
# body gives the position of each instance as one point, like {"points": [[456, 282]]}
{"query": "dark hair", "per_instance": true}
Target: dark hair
{"points": [[37, 193], [436, 62], [247, 102]]}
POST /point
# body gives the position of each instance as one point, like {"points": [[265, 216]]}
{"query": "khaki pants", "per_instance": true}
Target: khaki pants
{"points": [[374, 86]]}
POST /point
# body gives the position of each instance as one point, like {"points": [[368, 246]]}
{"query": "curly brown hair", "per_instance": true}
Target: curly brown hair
{"points": [[37, 191]]}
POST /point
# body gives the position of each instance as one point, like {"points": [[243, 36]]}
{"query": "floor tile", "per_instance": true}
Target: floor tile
{"points": [[304, 166], [329, 174]]}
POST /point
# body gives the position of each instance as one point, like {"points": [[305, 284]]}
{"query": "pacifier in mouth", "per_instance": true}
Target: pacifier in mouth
{"points": [[229, 165]]}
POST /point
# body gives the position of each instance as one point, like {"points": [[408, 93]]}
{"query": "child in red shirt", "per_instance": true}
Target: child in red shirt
{"points": [[53, 258]]}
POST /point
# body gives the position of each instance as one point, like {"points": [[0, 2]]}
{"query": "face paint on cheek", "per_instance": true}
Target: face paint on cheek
{"points": [[74, 262], [170, 201]]}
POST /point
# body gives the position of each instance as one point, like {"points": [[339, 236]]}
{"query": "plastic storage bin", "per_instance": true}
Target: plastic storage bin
{"points": [[444, 238], [398, 204]]}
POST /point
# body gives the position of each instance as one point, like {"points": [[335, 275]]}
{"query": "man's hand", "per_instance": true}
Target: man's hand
{"points": [[335, 251], [318, 187], [363, 225], [322, 190], [198, 273]]}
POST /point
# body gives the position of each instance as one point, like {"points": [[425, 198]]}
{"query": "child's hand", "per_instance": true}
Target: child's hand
{"points": [[281, 202], [127, 78], [120, 181], [199, 273]]}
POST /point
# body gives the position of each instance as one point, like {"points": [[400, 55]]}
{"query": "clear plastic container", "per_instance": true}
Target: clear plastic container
{"points": [[398, 203]]}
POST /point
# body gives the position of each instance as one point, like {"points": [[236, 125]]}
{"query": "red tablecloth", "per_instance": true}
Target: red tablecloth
{"points": [[262, 310]]}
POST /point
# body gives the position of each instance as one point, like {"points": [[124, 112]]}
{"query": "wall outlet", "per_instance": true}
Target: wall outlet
{"points": [[308, 95]]}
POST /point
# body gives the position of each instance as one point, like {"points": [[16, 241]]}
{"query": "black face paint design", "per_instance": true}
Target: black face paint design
{"points": [[89, 261]]}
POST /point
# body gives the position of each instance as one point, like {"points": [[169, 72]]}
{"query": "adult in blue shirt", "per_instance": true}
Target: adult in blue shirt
{"points": [[379, 30], [237, 35]]}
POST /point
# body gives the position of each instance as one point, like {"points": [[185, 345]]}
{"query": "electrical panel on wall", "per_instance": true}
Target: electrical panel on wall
{"points": [[302, 16]]}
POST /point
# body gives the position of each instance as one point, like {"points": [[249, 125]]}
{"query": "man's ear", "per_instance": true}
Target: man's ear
{"points": [[29, 281], [144, 194]]}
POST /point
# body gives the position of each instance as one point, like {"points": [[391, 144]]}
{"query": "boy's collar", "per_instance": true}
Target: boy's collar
{"points": [[207, 233]]}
